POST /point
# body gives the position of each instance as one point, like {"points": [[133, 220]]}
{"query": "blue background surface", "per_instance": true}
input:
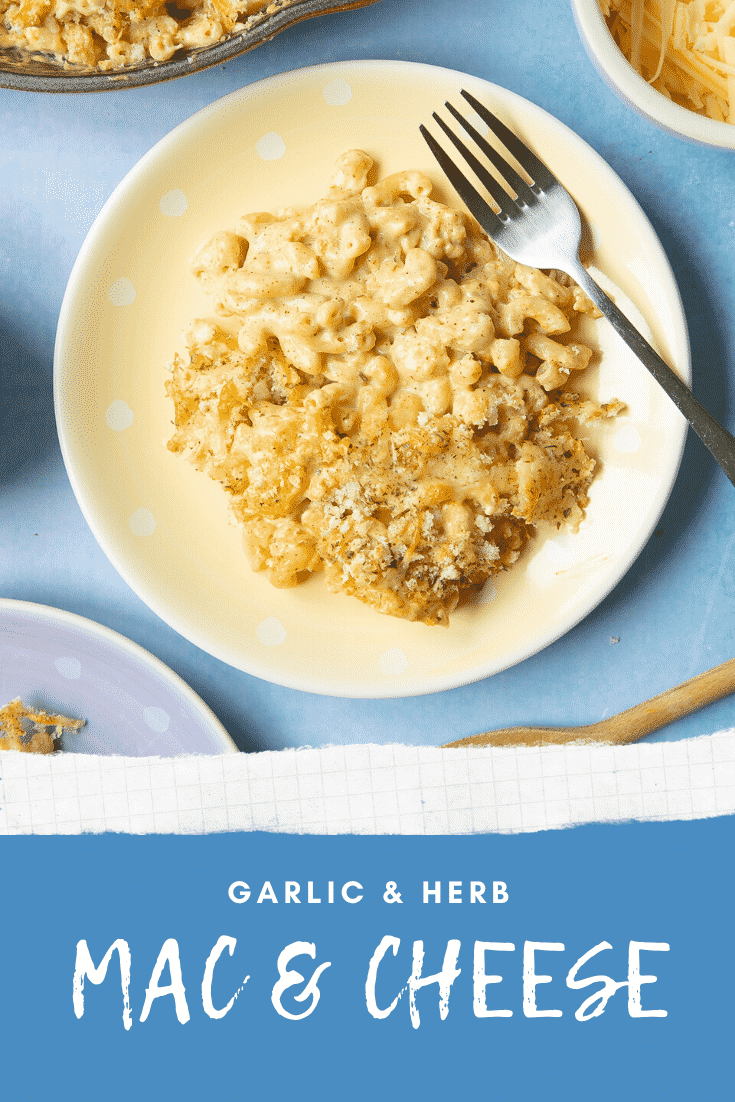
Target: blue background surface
{"points": [[61, 156], [644, 882]]}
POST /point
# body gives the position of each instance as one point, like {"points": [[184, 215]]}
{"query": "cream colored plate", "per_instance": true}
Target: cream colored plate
{"points": [[165, 527]]}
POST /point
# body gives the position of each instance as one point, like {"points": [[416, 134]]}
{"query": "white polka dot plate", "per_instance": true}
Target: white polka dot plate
{"points": [[165, 527], [133, 704]]}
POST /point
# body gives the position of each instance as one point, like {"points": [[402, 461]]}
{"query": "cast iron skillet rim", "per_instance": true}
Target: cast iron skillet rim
{"points": [[55, 79]]}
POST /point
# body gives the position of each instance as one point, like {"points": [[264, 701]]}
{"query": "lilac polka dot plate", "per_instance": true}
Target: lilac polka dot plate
{"points": [[133, 704], [165, 527]]}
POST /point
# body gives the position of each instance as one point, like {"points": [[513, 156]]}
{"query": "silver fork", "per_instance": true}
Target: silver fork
{"points": [[541, 227]]}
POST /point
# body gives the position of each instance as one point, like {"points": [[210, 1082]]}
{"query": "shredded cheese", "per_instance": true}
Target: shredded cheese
{"points": [[685, 49]]}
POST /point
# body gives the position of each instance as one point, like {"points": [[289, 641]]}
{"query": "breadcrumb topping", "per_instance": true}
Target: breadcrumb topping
{"points": [[32, 730]]}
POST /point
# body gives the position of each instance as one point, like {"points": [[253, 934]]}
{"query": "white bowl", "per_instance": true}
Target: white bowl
{"points": [[620, 75], [165, 526]]}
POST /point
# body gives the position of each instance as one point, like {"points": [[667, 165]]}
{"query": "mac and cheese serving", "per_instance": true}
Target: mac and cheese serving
{"points": [[113, 34], [388, 400]]}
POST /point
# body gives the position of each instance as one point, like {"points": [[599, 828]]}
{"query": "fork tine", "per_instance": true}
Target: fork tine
{"points": [[472, 199], [499, 194], [509, 174], [536, 169]]}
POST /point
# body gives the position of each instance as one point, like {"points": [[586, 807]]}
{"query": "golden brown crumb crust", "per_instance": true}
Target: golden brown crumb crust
{"points": [[31, 730]]}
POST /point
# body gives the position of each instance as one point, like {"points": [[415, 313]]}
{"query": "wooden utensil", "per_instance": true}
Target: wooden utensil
{"points": [[628, 726]]}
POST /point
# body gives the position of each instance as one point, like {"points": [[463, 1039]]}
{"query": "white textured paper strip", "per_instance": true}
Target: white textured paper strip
{"points": [[369, 789]]}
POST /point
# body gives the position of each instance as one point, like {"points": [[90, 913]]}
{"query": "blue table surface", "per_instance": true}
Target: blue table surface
{"points": [[60, 158]]}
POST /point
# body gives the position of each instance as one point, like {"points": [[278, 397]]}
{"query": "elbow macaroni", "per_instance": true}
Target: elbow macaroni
{"points": [[383, 403]]}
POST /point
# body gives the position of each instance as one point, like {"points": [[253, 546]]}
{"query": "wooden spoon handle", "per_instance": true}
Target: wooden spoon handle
{"points": [[628, 726]]}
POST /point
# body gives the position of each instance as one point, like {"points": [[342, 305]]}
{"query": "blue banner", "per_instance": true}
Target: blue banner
{"points": [[357, 967]]}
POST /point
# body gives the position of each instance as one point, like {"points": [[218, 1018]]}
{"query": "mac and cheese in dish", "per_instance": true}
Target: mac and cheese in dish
{"points": [[387, 401], [112, 34]]}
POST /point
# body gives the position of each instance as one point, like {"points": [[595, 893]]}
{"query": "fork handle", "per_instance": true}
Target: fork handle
{"points": [[712, 434]]}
